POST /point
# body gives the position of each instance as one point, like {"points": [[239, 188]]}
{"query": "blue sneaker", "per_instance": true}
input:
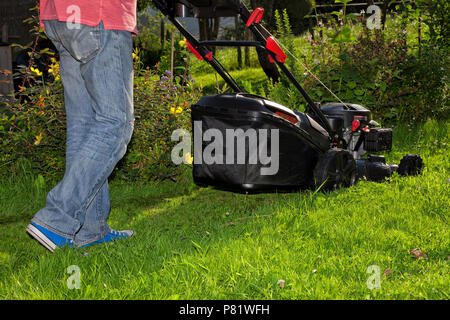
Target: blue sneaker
{"points": [[47, 238], [113, 236]]}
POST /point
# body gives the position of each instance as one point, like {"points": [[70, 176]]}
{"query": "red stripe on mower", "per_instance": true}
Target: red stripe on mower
{"points": [[287, 117]]}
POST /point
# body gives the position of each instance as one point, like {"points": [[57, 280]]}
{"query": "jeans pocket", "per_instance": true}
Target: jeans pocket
{"points": [[81, 41]]}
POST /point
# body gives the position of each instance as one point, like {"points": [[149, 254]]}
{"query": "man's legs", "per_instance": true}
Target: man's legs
{"points": [[80, 117], [97, 73]]}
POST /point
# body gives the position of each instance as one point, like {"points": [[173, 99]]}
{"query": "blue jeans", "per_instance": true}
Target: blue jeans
{"points": [[96, 68]]}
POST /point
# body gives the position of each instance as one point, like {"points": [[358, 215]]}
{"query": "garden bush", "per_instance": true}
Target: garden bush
{"points": [[33, 130], [154, 43], [160, 108], [383, 70]]}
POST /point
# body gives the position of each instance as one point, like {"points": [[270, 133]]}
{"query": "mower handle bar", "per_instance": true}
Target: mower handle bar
{"points": [[201, 47]]}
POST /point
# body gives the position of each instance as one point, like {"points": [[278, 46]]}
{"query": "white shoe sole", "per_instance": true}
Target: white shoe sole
{"points": [[42, 238]]}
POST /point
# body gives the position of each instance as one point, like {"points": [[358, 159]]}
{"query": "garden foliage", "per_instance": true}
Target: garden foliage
{"points": [[400, 72], [33, 129], [387, 70]]}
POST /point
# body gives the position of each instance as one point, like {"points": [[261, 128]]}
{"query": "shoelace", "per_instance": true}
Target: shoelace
{"points": [[118, 234]]}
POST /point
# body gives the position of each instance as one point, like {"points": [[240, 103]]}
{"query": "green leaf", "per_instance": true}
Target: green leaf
{"points": [[373, 61], [39, 183], [338, 14], [349, 95], [344, 36], [353, 15], [351, 85]]}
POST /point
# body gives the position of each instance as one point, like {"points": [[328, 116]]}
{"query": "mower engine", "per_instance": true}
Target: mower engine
{"points": [[359, 134]]}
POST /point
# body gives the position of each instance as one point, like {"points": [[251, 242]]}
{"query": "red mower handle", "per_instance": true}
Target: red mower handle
{"points": [[255, 17]]}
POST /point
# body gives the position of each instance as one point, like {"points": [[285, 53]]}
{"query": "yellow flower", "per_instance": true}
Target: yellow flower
{"points": [[36, 71], [183, 43], [136, 54], [176, 111], [188, 158], [38, 139], [54, 69]]}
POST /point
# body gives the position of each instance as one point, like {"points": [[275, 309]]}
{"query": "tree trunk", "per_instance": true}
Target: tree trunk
{"points": [[247, 49], [419, 31], [431, 22], [163, 33], [239, 49], [209, 29], [383, 17]]}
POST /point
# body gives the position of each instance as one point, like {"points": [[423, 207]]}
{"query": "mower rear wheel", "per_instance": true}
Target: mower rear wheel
{"points": [[335, 169], [410, 165]]}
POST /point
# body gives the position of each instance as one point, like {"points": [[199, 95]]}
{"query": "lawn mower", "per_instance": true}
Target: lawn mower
{"points": [[324, 147]]}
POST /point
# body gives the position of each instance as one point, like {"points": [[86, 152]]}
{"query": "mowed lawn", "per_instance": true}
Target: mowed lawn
{"points": [[194, 243]]}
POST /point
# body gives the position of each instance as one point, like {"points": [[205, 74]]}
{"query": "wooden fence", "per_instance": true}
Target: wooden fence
{"points": [[6, 79]]}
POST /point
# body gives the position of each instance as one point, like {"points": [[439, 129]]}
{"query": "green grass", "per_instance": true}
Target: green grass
{"points": [[249, 79], [228, 57], [194, 243]]}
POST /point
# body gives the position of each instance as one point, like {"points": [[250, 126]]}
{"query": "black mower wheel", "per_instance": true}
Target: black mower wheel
{"points": [[335, 169], [410, 165]]}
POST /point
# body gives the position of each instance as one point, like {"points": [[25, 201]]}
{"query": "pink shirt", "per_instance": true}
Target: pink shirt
{"points": [[115, 14]]}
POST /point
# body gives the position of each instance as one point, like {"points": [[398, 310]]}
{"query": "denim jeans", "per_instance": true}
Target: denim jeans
{"points": [[96, 68]]}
